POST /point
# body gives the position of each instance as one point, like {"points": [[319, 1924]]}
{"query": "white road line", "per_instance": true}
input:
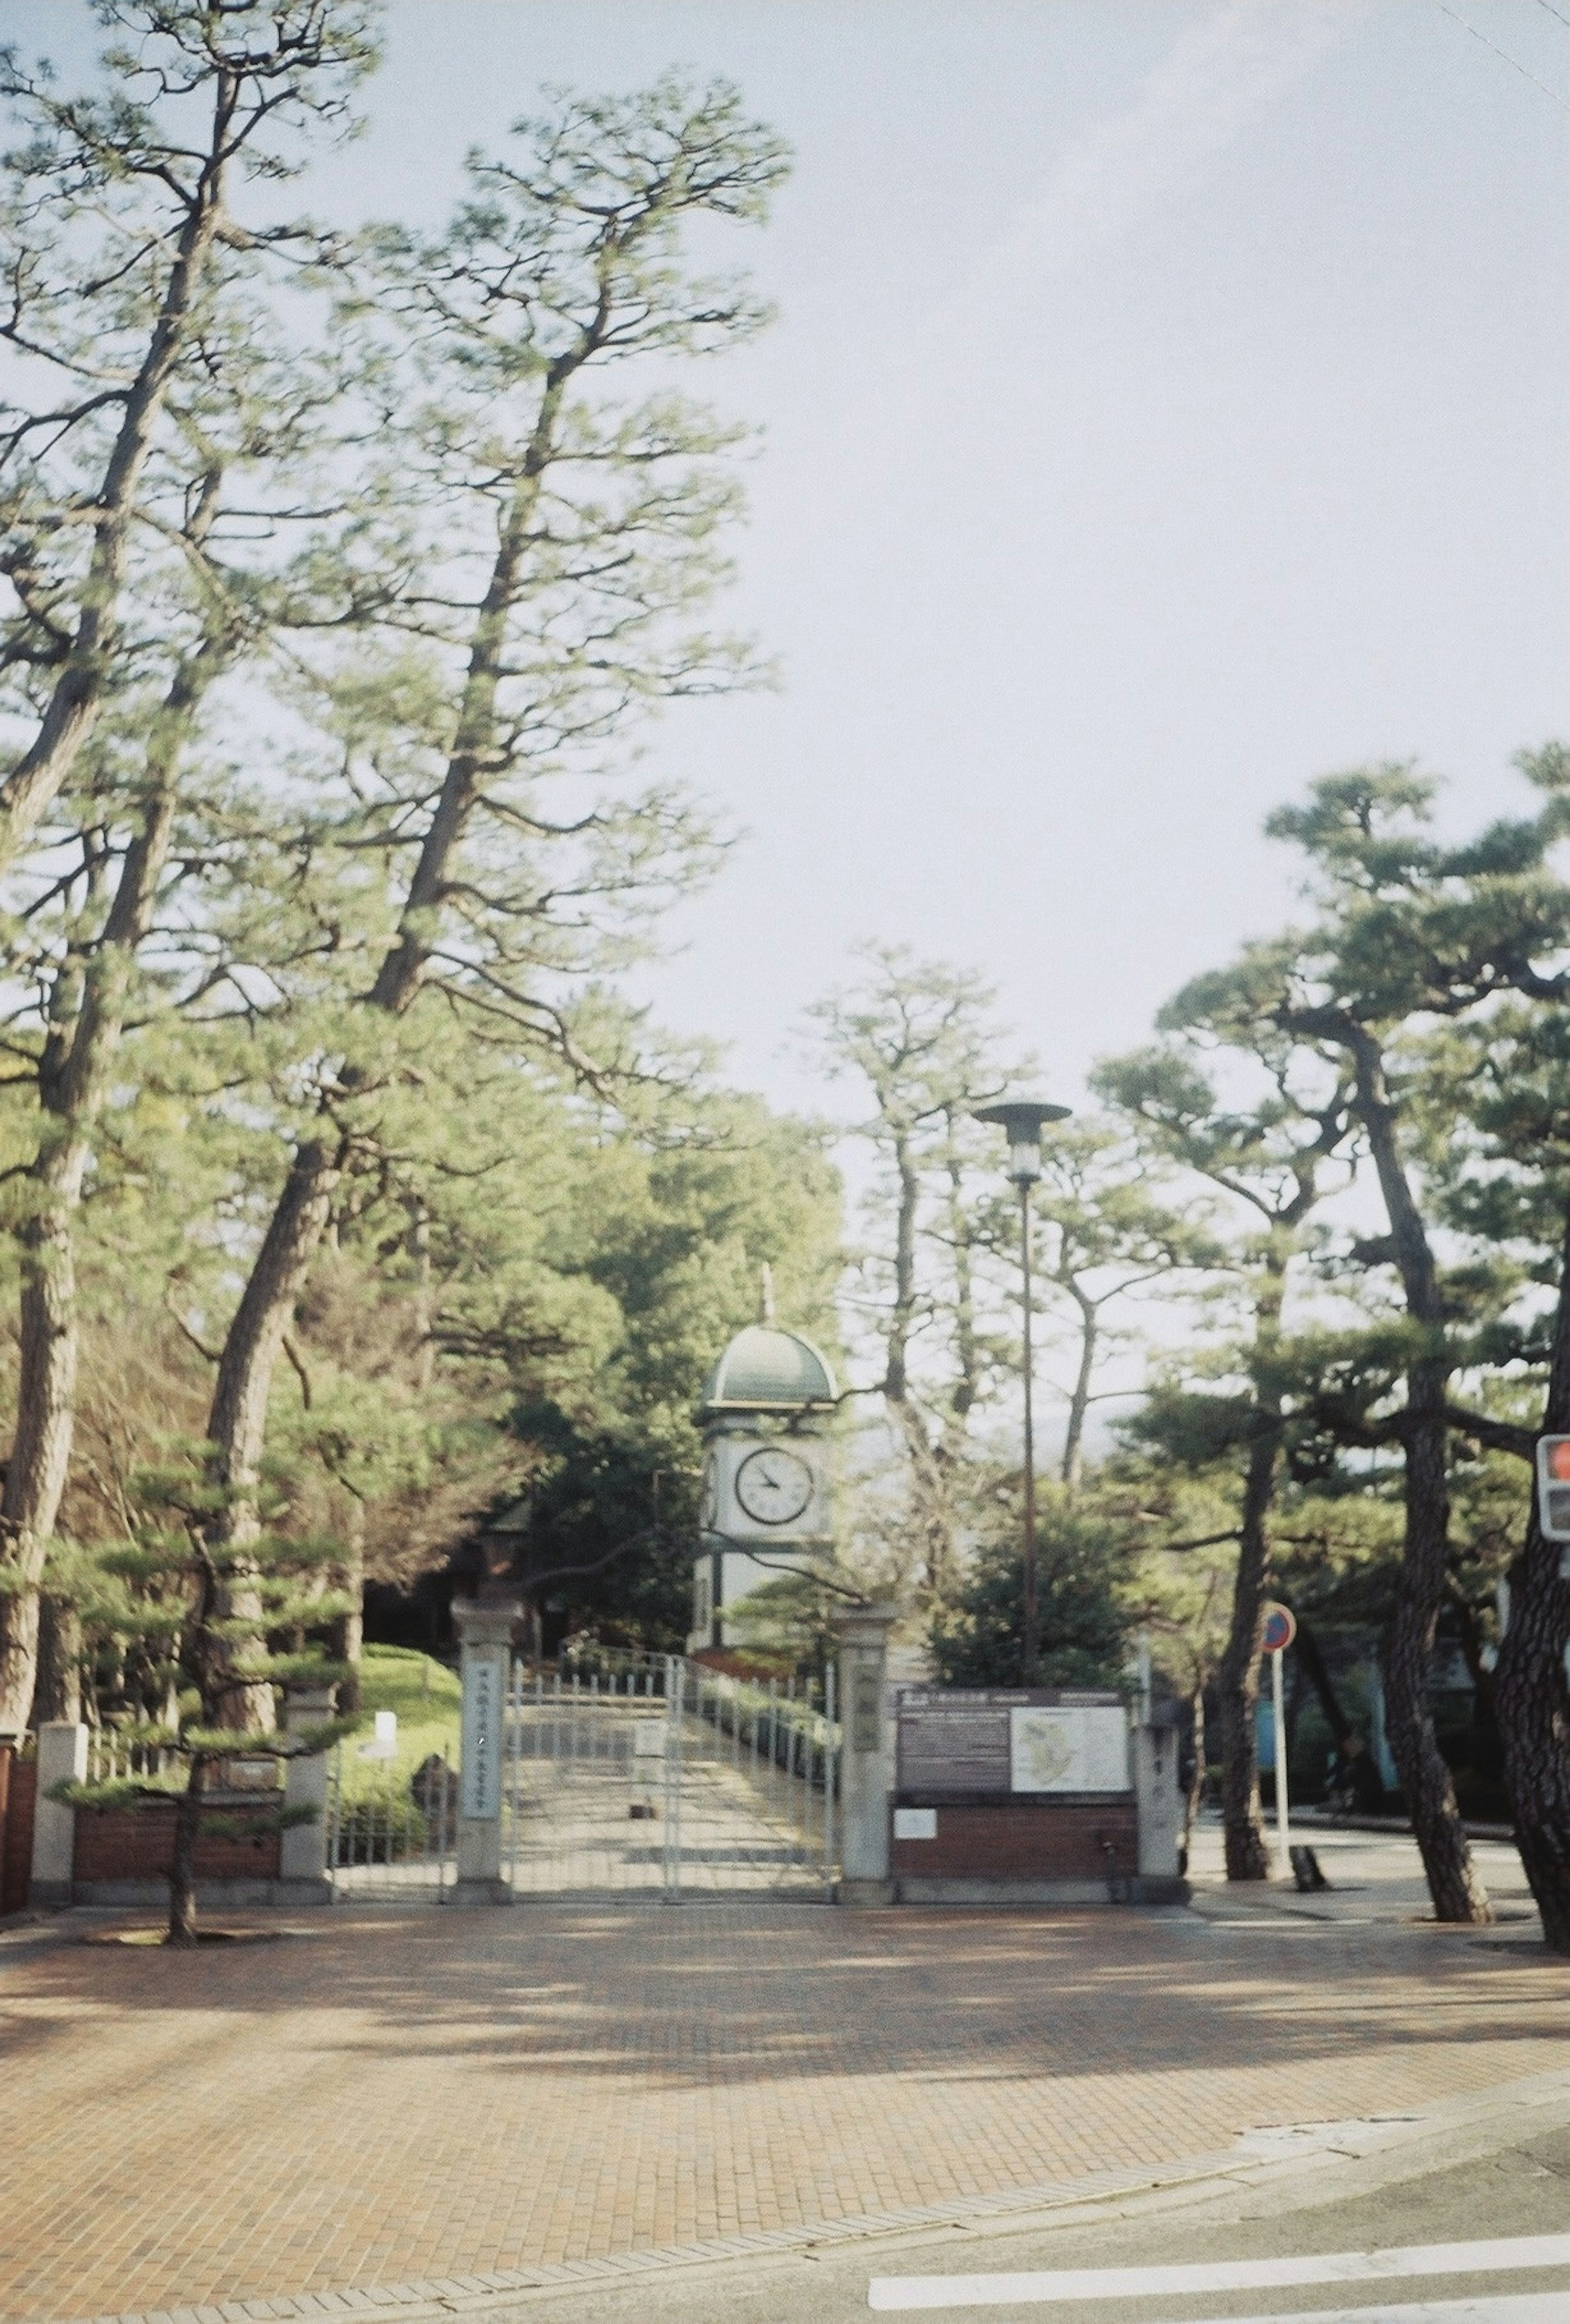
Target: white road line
{"points": [[1042, 2286], [1489, 2308]]}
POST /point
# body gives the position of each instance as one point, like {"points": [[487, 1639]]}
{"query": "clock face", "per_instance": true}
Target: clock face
{"points": [[774, 1485], [708, 1497]]}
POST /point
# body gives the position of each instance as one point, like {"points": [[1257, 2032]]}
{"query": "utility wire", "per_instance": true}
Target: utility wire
{"points": [[1515, 62], [1557, 14]]}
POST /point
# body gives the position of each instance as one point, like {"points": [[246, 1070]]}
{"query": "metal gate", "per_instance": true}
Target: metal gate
{"points": [[392, 1824], [655, 1774]]}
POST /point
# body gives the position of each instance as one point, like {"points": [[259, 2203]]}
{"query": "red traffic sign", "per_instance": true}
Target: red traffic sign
{"points": [[1278, 1630], [1554, 1487]]}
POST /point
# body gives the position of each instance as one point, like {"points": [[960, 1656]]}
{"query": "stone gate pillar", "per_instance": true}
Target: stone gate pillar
{"points": [[485, 1640], [303, 1847], [863, 1783], [1160, 1805], [62, 1759]]}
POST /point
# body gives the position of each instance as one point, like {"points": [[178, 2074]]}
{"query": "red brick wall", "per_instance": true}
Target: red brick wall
{"points": [[137, 1843], [16, 1833], [1021, 1839]]}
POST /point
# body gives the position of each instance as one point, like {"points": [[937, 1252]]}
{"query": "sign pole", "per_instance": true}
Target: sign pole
{"points": [[1278, 1628], [1283, 1833]]}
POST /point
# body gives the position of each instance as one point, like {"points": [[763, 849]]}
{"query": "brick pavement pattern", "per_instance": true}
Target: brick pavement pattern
{"points": [[438, 2093]]}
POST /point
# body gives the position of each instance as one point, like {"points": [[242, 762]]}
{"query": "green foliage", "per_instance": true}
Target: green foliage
{"points": [[1083, 1561]]}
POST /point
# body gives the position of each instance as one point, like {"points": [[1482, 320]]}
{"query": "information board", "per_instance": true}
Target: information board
{"points": [[1065, 1748], [954, 1741]]}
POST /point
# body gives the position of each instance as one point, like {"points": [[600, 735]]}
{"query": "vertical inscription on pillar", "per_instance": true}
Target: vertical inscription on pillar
{"points": [[866, 1711], [480, 1786]]}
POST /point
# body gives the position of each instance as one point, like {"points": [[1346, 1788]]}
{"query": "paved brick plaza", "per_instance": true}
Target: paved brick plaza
{"points": [[433, 2093]]}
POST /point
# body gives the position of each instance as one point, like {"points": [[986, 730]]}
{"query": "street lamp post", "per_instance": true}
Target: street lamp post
{"points": [[1021, 1120]]}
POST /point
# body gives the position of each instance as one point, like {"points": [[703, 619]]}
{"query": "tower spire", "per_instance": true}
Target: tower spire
{"points": [[765, 1294]]}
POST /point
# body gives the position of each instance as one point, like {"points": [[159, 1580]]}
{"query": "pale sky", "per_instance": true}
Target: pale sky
{"points": [[1169, 404]]}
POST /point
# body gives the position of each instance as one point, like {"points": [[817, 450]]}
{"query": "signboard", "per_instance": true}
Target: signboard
{"points": [[485, 1693], [954, 1741], [1553, 1487], [1278, 1628], [915, 1823], [1065, 1748]]}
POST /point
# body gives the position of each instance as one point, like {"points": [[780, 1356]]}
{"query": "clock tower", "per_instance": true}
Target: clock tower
{"points": [[763, 1507]]}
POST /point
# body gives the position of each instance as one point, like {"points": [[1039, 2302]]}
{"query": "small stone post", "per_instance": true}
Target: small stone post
{"points": [[62, 1759], [863, 1855], [1159, 1808], [303, 1847], [485, 1638]]}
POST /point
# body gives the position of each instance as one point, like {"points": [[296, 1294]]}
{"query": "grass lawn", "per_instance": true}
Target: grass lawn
{"points": [[425, 1694]]}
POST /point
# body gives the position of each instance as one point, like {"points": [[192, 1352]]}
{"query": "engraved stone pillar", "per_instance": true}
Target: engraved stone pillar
{"points": [[485, 1639], [863, 1651], [1159, 1807], [62, 1759], [303, 1847]]}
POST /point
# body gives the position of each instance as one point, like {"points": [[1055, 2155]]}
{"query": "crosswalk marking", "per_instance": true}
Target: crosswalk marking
{"points": [[1040, 2286]]}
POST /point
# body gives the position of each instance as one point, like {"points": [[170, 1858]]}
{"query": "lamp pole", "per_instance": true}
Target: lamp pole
{"points": [[1021, 1118], [1030, 1638]]}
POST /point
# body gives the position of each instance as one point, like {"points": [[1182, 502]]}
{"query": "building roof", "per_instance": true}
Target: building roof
{"points": [[767, 1370]]}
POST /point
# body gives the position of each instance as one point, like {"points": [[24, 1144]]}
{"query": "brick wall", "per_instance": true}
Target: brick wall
{"points": [[137, 1844], [20, 1779], [1010, 1839]]}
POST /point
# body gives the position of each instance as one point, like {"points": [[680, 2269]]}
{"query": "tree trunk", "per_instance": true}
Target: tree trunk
{"points": [[1079, 1402], [56, 1693], [73, 1073], [1238, 1676], [1531, 1693], [349, 1629], [1426, 1781], [1311, 1663], [29, 791], [1453, 1883], [237, 1423], [35, 1476], [188, 1817]]}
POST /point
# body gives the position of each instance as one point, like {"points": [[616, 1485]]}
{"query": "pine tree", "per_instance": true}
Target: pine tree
{"points": [[165, 1590]]}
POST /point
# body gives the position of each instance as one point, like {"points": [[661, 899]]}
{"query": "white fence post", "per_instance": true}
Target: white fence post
{"points": [[62, 1757], [302, 1847], [486, 1637]]}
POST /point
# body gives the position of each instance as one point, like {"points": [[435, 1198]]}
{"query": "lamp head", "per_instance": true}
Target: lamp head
{"points": [[1021, 1120]]}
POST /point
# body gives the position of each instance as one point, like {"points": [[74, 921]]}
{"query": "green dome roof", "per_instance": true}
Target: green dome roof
{"points": [[766, 1370]]}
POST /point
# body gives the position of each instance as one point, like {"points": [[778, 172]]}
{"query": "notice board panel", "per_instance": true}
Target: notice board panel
{"points": [[1068, 1748], [958, 1740]]}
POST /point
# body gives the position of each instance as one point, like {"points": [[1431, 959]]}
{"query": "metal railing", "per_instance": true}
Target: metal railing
{"points": [[390, 1824], [655, 1774]]}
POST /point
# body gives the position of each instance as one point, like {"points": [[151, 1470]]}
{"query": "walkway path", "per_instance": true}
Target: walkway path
{"points": [[430, 2093]]}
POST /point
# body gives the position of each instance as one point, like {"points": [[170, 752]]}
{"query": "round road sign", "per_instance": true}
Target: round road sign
{"points": [[1279, 1629]]}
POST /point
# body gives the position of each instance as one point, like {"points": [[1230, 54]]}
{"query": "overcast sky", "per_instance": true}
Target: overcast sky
{"points": [[1169, 404]]}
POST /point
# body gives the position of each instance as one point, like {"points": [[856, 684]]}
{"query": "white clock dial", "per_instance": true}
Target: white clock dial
{"points": [[774, 1485]]}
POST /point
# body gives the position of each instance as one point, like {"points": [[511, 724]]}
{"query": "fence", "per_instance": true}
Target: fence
{"points": [[655, 1776], [391, 1822], [111, 1758], [622, 1776]]}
